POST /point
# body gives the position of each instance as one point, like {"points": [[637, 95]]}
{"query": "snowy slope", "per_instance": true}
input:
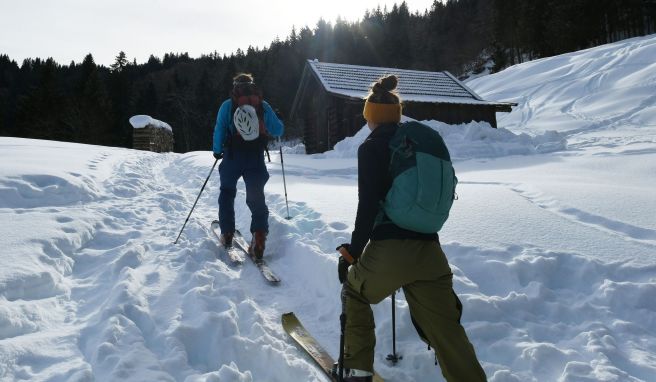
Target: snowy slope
{"points": [[552, 244]]}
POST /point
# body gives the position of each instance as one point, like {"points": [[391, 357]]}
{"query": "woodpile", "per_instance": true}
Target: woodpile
{"points": [[151, 134], [154, 139]]}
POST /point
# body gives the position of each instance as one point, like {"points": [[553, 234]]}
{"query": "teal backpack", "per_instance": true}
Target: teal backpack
{"points": [[423, 180]]}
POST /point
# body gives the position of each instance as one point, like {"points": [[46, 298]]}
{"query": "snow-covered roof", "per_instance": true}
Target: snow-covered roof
{"points": [[142, 121], [355, 81]]}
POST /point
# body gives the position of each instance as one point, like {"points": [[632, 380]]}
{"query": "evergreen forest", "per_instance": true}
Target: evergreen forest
{"points": [[89, 103]]}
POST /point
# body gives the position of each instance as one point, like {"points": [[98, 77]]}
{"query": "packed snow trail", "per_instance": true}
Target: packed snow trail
{"points": [[120, 301], [131, 305]]}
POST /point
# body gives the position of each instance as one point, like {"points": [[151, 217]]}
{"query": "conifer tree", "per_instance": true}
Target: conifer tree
{"points": [[120, 62]]}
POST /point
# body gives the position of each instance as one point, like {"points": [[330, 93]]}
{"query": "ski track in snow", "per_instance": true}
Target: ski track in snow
{"points": [[626, 231], [178, 310]]}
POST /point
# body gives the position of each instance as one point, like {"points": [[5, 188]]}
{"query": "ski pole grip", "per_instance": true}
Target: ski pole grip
{"points": [[346, 255]]}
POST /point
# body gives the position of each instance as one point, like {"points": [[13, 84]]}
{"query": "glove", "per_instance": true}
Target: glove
{"points": [[218, 156], [344, 250], [343, 263], [342, 270]]}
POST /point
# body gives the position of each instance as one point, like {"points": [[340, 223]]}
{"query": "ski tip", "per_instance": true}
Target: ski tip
{"points": [[271, 279], [215, 222], [288, 318]]}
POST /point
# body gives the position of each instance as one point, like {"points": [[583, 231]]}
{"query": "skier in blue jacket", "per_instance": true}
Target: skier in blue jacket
{"points": [[243, 125]]}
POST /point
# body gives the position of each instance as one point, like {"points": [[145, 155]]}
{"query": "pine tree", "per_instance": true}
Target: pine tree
{"points": [[90, 116], [41, 112], [120, 62]]}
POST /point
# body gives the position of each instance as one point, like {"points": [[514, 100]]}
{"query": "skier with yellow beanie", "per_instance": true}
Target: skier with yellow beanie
{"points": [[382, 258]]}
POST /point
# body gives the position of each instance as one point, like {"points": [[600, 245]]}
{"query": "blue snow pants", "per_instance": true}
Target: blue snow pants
{"points": [[251, 166]]}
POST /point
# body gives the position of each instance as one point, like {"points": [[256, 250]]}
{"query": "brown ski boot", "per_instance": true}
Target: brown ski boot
{"points": [[226, 239], [257, 246]]}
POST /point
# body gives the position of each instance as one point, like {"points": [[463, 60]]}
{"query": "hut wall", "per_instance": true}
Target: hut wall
{"points": [[451, 113], [335, 129], [352, 118], [308, 119], [317, 119], [322, 105]]}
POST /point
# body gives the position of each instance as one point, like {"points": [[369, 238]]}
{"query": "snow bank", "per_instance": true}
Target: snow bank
{"points": [[54, 174], [141, 121], [480, 140], [603, 88], [298, 148], [469, 141]]}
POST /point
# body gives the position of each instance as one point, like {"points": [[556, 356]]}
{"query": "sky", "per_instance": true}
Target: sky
{"points": [[67, 30]]}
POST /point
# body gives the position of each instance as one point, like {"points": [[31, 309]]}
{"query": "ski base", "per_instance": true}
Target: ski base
{"points": [[304, 339], [235, 255]]}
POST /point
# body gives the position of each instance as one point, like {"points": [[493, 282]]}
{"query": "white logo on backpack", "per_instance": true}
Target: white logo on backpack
{"points": [[246, 122]]}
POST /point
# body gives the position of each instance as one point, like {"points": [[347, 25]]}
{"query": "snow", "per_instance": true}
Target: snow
{"points": [[551, 243], [142, 121], [468, 141]]}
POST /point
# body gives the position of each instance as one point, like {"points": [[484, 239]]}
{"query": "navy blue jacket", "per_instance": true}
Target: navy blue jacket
{"points": [[373, 184]]}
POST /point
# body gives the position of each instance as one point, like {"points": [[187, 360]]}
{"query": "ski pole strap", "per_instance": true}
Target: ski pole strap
{"points": [[346, 255]]}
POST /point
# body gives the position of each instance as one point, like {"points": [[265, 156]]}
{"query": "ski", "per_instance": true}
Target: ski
{"points": [[235, 255], [304, 339], [261, 264]]}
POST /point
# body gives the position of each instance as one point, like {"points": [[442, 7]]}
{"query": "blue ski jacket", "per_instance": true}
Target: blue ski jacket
{"points": [[224, 124]]}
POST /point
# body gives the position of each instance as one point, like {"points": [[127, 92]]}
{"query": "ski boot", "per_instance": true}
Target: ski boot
{"points": [[352, 375], [256, 249], [226, 239]]}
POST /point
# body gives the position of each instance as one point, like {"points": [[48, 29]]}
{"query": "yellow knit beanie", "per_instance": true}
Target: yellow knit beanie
{"points": [[382, 112], [382, 104]]}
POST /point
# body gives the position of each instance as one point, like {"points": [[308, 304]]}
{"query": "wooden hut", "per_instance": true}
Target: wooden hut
{"points": [[330, 98], [151, 134]]}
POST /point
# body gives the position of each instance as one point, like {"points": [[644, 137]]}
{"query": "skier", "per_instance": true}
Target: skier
{"points": [[243, 125], [388, 257]]}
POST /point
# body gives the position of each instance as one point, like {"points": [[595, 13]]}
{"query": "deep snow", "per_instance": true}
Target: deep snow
{"points": [[552, 244]]}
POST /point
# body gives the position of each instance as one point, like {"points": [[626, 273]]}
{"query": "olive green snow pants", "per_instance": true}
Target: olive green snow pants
{"points": [[421, 268]]}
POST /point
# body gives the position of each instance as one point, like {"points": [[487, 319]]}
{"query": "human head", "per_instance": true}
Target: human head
{"points": [[383, 104], [242, 78]]}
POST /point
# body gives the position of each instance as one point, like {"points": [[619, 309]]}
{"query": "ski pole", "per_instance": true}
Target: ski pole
{"points": [[342, 317], [342, 329], [284, 182], [198, 197], [394, 358]]}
